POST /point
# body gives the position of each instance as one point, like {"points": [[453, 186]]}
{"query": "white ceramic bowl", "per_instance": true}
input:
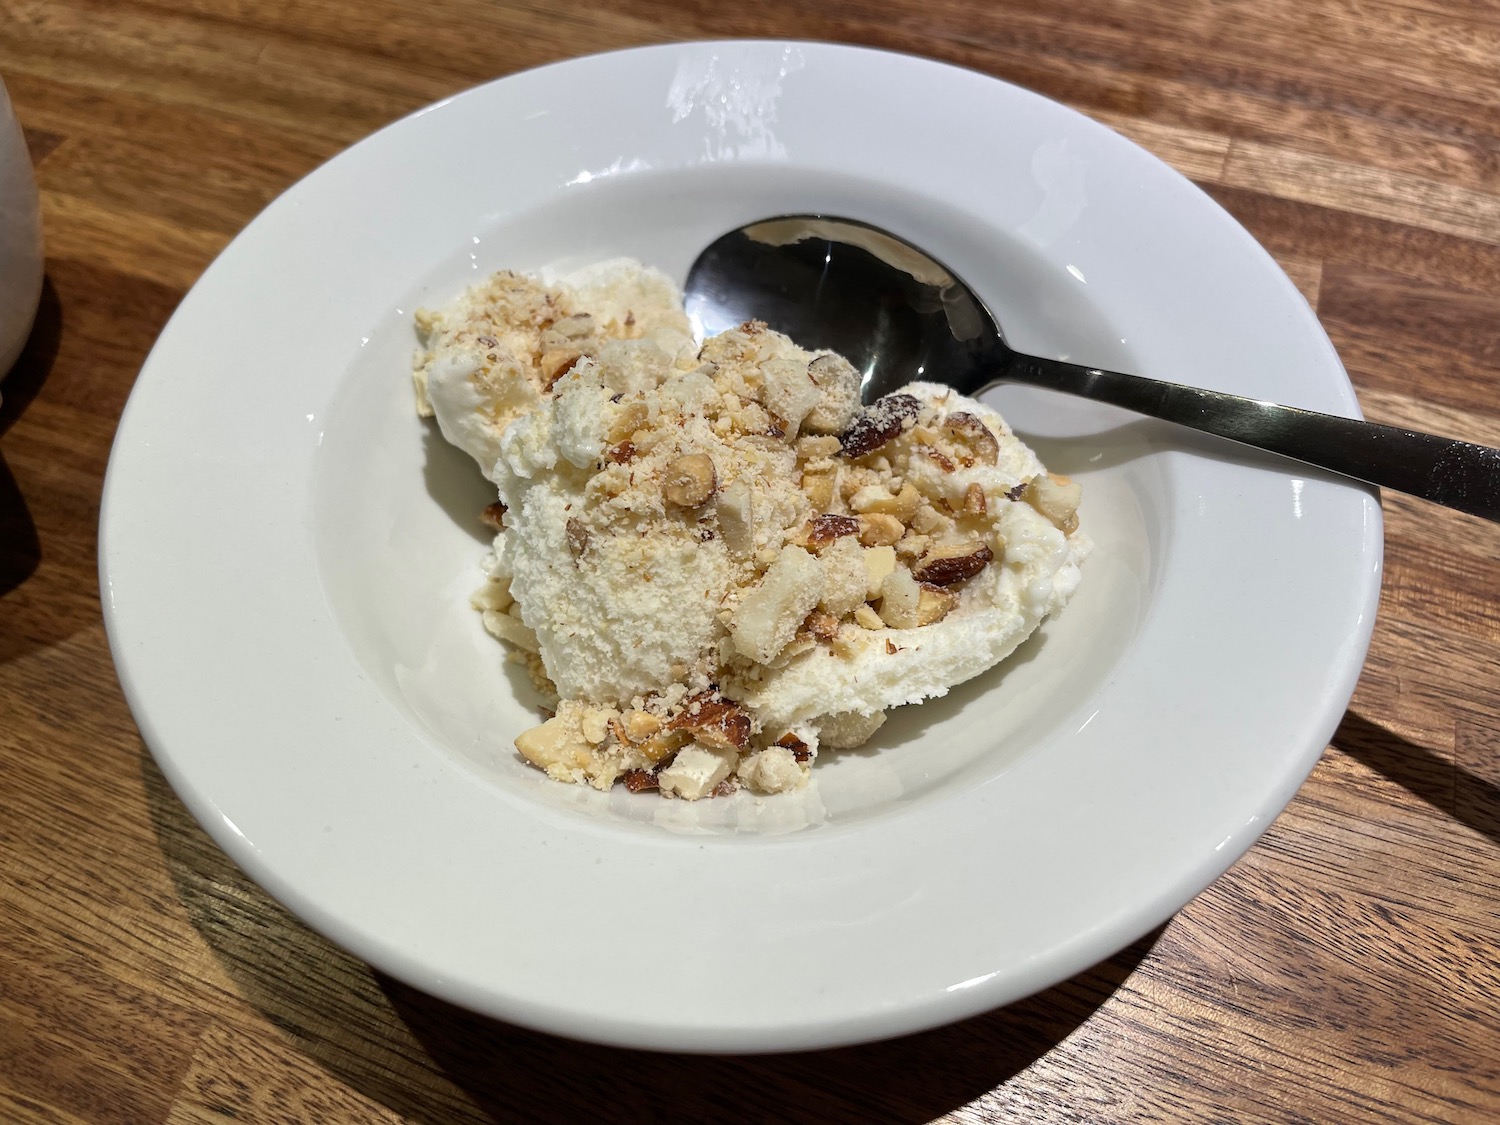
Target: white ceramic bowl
{"points": [[287, 553]]}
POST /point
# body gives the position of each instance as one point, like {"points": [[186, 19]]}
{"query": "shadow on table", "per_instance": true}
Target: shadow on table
{"points": [[432, 1062], [20, 547], [1447, 787], [912, 1079], [34, 363]]}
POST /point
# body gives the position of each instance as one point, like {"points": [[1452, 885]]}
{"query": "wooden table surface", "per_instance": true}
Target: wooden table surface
{"points": [[1347, 969]]}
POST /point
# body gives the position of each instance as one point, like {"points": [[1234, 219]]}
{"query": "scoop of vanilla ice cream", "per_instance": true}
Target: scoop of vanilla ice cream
{"points": [[493, 354], [623, 577], [1033, 573]]}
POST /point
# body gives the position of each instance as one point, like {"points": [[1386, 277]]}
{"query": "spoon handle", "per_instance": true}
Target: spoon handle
{"points": [[1457, 474]]}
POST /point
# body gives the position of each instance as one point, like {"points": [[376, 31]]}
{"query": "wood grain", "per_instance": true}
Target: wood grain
{"points": [[1346, 970]]}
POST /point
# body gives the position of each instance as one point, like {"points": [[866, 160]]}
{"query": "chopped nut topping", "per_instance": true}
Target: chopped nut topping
{"points": [[879, 561], [555, 366], [736, 512], [690, 480], [879, 530], [578, 536], [913, 545], [574, 327], [621, 453], [714, 721], [629, 419], [866, 618], [769, 615], [800, 750], [789, 393], [824, 626], [941, 459], [637, 726], [899, 597], [596, 724], [640, 781], [929, 521], [823, 530], [954, 562], [493, 516], [553, 744], [974, 434], [817, 447], [819, 488], [1056, 497], [974, 502], [934, 603], [839, 401], [845, 577], [879, 423], [875, 498]]}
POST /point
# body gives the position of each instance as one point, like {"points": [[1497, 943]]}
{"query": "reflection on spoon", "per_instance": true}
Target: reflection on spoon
{"points": [[898, 314]]}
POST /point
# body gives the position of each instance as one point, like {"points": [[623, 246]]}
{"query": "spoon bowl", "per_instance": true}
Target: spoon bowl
{"points": [[899, 315]]}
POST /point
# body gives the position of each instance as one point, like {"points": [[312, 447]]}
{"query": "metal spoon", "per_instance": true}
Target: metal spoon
{"points": [[898, 315]]}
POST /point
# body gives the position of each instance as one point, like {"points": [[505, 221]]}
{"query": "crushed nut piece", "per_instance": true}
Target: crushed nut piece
{"points": [[714, 721], [819, 489], [879, 423], [913, 545], [953, 562], [837, 405], [934, 603], [929, 521], [866, 618], [875, 499], [555, 366], [824, 626], [879, 530], [629, 419], [974, 502], [899, 597], [493, 516], [621, 453], [1056, 497], [578, 536], [879, 561], [974, 434], [640, 781], [823, 530], [690, 480], [736, 511], [769, 615], [553, 746], [596, 723], [817, 447], [938, 457], [800, 750], [640, 725]]}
